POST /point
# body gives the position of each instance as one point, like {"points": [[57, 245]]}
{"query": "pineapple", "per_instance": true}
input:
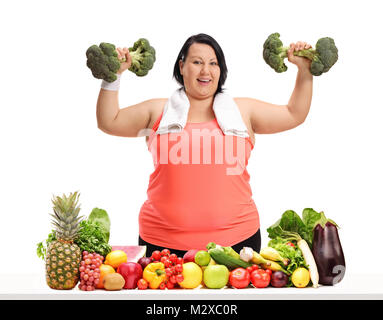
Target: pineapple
{"points": [[63, 255]]}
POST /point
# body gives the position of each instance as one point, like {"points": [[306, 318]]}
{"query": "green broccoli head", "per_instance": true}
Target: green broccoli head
{"points": [[323, 57], [326, 54], [274, 53], [143, 57], [103, 60]]}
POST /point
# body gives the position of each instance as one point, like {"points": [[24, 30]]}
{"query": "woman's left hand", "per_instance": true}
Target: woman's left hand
{"points": [[300, 62]]}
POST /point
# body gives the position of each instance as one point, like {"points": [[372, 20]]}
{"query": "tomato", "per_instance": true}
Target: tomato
{"points": [[142, 284], [173, 279], [169, 285], [173, 258], [167, 263], [156, 255], [290, 244], [178, 268], [165, 252], [163, 259], [179, 278], [239, 278], [254, 267], [269, 272], [260, 278]]}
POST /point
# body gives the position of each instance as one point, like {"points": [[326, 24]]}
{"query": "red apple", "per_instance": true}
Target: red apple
{"points": [[131, 272], [189, 256]]}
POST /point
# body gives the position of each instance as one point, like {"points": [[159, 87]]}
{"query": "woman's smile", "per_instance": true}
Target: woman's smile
{"points": [[204, 82]]}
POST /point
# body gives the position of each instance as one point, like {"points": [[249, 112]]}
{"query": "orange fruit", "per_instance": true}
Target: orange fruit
{"points": [[104, 270], [115, 258]]}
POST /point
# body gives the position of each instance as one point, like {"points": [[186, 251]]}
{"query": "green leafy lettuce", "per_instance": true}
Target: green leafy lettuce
{"points": [[294, 254], [291, 227], [101, 216]]}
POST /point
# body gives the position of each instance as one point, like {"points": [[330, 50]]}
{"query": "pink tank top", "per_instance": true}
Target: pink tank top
{"points": [[199, 191]]}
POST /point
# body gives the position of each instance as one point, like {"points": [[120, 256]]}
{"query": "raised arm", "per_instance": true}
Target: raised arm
{"points": [[271, 118], [126, 122]]}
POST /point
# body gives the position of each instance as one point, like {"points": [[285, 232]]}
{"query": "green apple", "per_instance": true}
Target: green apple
{"points": [[216, 276]]}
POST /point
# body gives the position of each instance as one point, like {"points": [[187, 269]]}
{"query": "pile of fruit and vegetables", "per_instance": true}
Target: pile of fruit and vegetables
{"points": [[302, 252]]}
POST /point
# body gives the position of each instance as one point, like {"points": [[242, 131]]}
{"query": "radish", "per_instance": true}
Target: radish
{"points": [[310, 261]]}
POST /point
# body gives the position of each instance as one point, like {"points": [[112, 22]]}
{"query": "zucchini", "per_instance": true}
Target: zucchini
{"points": [[221, 257]]}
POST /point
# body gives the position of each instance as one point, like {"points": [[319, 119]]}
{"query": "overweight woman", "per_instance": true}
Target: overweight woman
{"points": [[191, 204]]}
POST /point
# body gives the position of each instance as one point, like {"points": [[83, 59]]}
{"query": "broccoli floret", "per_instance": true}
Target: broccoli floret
{"points": [[274, 53], [323, 57], [143, 57], [103, 60]]}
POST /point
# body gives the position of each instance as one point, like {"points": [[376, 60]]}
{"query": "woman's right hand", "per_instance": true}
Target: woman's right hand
{"points": [[124, 53]]}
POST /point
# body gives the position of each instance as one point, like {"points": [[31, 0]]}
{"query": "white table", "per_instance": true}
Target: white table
{"points": [[353, 286]]}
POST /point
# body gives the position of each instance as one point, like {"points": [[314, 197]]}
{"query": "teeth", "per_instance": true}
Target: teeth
{"points": [[204, 80]]}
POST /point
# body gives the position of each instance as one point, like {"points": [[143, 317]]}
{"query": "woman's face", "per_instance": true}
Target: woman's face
{"points": [[200, 71]]}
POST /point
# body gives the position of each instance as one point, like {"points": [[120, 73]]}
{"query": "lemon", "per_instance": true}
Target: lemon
{"points": [[300, 277], [192, 274], [115, 258]]}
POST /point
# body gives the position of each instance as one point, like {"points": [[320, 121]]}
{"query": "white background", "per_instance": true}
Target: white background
{"points": [[50, 143]]}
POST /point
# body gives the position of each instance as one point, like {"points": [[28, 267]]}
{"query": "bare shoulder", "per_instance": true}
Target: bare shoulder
{"points": [[156, 106]]}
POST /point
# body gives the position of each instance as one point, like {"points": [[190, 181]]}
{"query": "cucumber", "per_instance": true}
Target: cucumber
{"points": [[220, 257]]}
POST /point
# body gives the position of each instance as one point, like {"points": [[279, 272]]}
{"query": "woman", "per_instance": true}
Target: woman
{"points": [[188, 205]]}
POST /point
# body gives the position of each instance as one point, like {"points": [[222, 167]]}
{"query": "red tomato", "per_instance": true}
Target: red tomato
{"points": [[165, 252], [260, 278], [173, 258], [290, 244], [269, 272], [255, 267], [239, 278], [249, 269], [164, 259], [252, 268], [142, 284], [156, 255], [169, 285]]}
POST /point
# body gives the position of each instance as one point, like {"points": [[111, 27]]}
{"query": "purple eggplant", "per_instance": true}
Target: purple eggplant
{"points": [[327, 252]]}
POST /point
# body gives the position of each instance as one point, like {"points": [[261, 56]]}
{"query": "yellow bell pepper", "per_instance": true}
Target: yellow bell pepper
{"points": [[154, 274]]}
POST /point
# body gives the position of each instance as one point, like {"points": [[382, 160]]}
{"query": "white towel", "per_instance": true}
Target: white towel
{"points": [[226, 112]]}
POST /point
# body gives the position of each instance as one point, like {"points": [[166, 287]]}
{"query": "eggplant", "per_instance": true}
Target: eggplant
{"points": [[327, 252]]}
